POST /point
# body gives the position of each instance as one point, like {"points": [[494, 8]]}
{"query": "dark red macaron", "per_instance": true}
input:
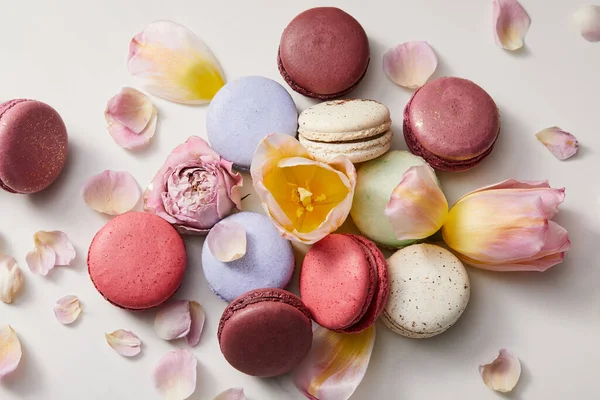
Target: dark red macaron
{"points": [[137, 261], [33, 146], [265, 332], [323, 53], [452, 123], [344, 282]]}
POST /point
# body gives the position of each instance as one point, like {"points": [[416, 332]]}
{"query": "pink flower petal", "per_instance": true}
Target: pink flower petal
{"points": [[410, 64], [231, 394], [41, 259], [129, 139], [511, 23], [560, 143], [60, 244], [227, 241], [111, 192], [198, 317], [67, 309], [335, 365], [175, 375], [173, 320], [10, 350], [587, 20], [503, 373], [11, 279], [130, 108], [124, 342]]}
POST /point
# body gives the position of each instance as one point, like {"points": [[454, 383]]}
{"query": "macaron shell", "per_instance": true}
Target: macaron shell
{"points": [[357, 151], [429, 291]]}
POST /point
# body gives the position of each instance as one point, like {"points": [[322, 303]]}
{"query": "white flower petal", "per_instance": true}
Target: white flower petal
{"points": [[67, 309], [560, 143], [11, 279], [112, 192], [198, 317], [227, 241], [503, 373], [231, 394], [124, 342], [175, 375], [41, 259], [59, 242], [587, 20], [10, 350], [173, 320], [511, 23], [410, 64]]}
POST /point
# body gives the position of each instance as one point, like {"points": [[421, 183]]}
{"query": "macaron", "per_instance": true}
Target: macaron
{"points": [[268, 262], [265, 332], [429, 291], [323, 53], [344, 282], [33, 146], [243, 112], [452, 123], [137, 261], [358, 129], [375, 182]]}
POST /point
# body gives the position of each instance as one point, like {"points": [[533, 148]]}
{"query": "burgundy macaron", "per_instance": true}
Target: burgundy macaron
{"points": [[137, 261], [344, 282], [323, 53], [452, 123], [265, 332], [33, 146]]}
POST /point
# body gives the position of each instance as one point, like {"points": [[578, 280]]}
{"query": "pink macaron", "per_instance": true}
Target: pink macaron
{"points": [[344, 282], [137, 261]]}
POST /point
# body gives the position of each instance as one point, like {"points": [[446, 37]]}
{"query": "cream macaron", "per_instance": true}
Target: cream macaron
{"points": [[358, 129], [429, 290]]}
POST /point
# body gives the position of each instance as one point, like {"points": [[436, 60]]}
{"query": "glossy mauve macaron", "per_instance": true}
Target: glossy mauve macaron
{"points": [[323, 53], [268, 262], [137, 261], [452, 123], [243, 112], [33, 146], [266, 332], [344, 282]]}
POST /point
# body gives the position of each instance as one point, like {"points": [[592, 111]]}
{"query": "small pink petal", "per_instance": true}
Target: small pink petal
{"points": [[173, 320], [560, 143], [175, 375], [587, 20], [231, 394], [41, 259], [124, 342], [11, 279], [131, 108], [111, 192], [197, 315], [10, 350], [129, 139], [227, 241], [503, 373], [511, 23], [410, 64], [67, 309], [60, 244]]}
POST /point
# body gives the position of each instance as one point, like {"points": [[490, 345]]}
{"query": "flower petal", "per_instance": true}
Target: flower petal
{"points": [[67, 309], [124, 342], [130, 108], [503, 373], [173, 320], [111, 192], [129, 139], [417, 208], [227, 241], [587, 20], [173, 63], [41, 259], [335, 365], [410, 64], [198, 317], [511, 23], [11, 279], [10, 350], [231, 394], [175, 375], [60, 244], [560, 143]]}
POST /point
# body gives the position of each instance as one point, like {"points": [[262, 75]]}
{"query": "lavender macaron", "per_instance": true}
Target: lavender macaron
{"points": [[243, 112], [268, 262]]}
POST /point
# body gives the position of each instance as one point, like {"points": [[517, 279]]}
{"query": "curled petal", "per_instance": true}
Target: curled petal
{"points": [[503, 373], [198, 317], [124, 342], [11, 279], [175, 375], [417, 208], [587, 20], [173, 63], [10, 350], [41, 259], [560, 143], [511, 23], [410, 64], [111, 192], [231, 394], [67, 309], [129, 139], [60, 244], [130, 108], [227, 241], [335, 365], [173, 320]]}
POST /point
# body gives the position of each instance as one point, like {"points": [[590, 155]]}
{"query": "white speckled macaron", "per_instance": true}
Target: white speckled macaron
{"points": [[429, 291], [358, 129]]}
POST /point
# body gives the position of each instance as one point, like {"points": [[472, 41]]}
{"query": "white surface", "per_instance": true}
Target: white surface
{"points": [[72, 55]]}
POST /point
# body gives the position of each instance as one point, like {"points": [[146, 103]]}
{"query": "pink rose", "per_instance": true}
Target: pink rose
{"points": [[194, 189]]}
